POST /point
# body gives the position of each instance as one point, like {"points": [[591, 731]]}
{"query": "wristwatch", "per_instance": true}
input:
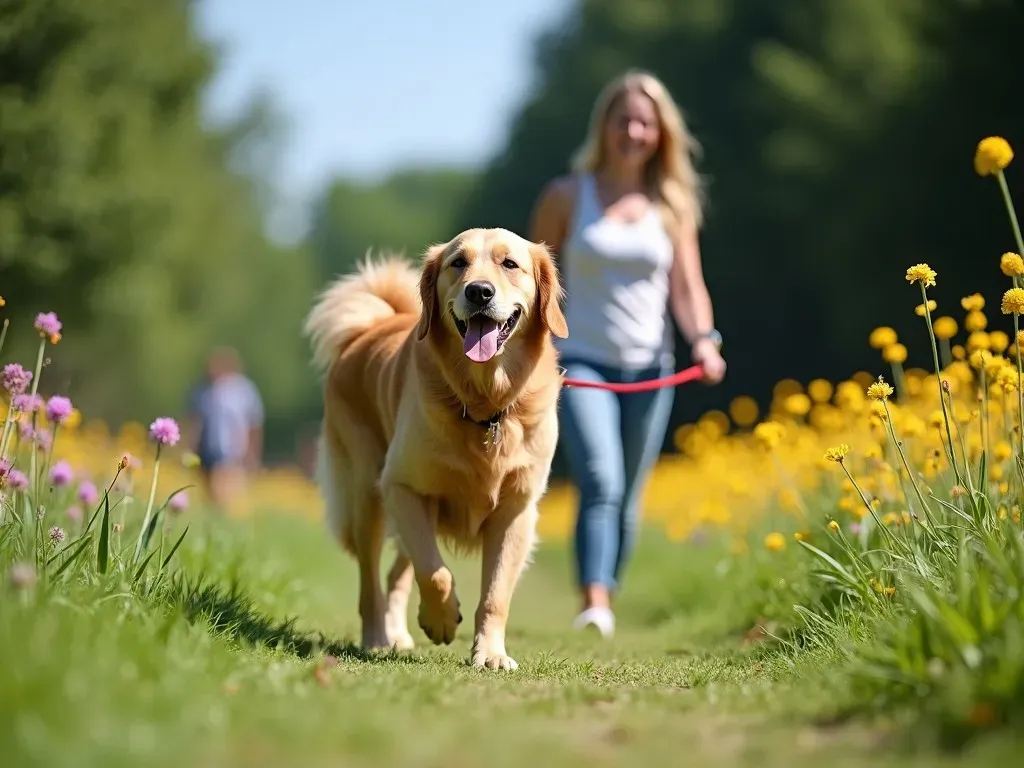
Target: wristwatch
{"points": [[713, 335]]}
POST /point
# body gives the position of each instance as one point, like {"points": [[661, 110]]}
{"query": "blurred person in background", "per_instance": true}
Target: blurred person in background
{"points": [[225, 426], [624, 226]]}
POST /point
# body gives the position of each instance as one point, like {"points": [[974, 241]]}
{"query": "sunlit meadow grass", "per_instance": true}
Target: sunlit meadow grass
{"points": [[840, 578]]}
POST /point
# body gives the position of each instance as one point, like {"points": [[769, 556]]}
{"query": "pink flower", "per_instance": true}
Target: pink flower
{"points": [[178, 502], [87, 493], [44, 439], [58, 409], [15, 379], [61, 474], [48, 324], [17, 480], [165, 431], [27, 403], [56, 534], [75, 514]]}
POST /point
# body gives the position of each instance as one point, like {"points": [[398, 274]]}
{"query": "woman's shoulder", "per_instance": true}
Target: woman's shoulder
{"points": [[559, 194], [561, 188]]}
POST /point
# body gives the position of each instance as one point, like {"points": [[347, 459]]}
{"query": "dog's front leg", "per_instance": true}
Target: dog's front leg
{"points": [[508, 540], [439, 615]]}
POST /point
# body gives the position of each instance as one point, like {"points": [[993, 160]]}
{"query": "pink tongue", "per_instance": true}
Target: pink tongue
{"points": [[481, 343]]}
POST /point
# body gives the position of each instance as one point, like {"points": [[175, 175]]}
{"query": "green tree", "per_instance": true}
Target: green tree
{"points": [[123, 213], [404, 212]]}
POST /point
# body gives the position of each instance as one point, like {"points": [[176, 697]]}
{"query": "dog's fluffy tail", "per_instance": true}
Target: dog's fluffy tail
{"points": [[350, 305]]}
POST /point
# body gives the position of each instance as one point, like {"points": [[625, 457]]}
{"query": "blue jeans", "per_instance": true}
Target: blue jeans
{"points": [[612, 441]]}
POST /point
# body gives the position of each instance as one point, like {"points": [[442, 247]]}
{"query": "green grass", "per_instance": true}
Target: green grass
{"points": [[226, 667]]}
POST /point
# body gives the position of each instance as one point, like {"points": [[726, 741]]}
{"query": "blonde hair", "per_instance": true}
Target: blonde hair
{"points": [[670, 173]]}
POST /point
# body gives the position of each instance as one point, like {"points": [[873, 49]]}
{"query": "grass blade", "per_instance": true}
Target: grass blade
{"points": [[174, 549], [82, 544], [839, 567], [103, 553], [142, 567]]}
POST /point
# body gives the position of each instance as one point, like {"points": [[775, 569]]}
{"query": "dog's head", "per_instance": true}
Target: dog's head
{"points": [[489, 289]]}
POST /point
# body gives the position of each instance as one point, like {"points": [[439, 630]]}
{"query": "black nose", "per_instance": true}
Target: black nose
{"points": [[479, 293]]}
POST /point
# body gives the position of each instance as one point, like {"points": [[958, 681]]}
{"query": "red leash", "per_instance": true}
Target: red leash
{"points": [[693, 373]]}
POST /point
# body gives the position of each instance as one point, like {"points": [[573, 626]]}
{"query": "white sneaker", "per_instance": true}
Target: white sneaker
{"points": [[601, 618]]}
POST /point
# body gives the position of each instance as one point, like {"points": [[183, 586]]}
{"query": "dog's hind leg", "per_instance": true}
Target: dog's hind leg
{"points": [[400, 579], [353, 513], [368, 536]]}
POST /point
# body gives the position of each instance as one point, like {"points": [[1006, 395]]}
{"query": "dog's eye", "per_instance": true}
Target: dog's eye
{"points": [[459, 263], [509, 264]]}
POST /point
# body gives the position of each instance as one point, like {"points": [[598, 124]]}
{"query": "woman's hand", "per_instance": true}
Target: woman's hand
{"points": [[706, 354]]}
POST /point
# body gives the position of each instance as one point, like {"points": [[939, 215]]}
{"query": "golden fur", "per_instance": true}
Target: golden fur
{"points": [[403, 449]]}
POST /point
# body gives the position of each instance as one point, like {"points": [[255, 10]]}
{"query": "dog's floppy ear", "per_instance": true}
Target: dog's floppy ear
{"points": [[428, 288], [549, 290]]}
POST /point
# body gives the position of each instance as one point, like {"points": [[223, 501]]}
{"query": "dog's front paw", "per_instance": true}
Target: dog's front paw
{"points": [[439, 615], [497, 661]]}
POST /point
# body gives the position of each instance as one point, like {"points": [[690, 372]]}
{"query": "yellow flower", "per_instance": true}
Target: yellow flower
{"points": [[973, 302], [833, 526], [945, 327], [921, 273], [798, 404], [1011, 264], [769, 433], [980, 358], [880, 390], [936, 420], [774, 541], [878, 409], [837, 453], [820, 390], [998, 341], [743, 410], [958, 352], [978, 340], [882, 337], [895, 353], [993, 154], [1013, 302], [2, 302], [975, 321], [1007, 378], [801, 536], [919, 310], [73, 420]]}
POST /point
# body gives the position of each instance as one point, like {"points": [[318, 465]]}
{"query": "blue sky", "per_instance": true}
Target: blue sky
{"points": [[369, 85]]}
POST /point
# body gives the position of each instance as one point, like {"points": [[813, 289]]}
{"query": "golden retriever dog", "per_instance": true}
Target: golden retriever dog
{"points": [[440, 424]]}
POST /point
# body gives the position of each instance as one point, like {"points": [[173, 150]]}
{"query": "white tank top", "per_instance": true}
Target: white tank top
{"points": [[616, 280]]}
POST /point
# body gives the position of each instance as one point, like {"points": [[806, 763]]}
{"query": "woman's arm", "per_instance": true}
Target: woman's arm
{"points": [[691, 305], [549, 222]]}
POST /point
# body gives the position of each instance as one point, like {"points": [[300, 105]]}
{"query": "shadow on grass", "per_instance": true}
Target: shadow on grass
{"points": [[229, 612]]}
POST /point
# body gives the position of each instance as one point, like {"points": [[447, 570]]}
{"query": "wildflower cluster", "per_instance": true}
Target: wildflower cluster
{"points": [[53, 516]]}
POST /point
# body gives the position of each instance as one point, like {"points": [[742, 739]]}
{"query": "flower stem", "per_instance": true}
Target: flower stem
{"points": [[33, 487], [871, 510], [899, 448], [149, 506], [947, 352], [938, 375], [1005, 189]]}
